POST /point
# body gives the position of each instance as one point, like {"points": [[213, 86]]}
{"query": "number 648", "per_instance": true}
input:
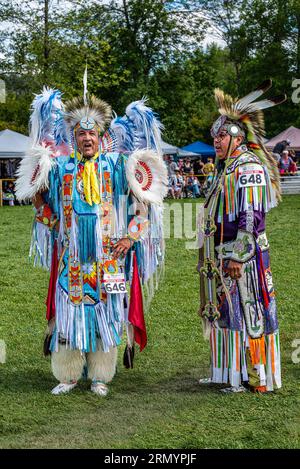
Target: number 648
{"points": [[253, 179]]}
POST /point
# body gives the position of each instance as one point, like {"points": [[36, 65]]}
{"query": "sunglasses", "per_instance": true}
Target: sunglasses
{"points": [[220, 136]]}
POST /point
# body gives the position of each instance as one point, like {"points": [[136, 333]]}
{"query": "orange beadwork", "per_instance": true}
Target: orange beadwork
{"points": [[67, 188], [90, 278], [75, 287]]}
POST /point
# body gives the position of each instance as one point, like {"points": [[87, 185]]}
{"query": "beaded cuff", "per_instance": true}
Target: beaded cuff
{"points": [[44, 215]]}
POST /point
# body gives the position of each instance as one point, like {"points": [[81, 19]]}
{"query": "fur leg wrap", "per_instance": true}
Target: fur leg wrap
{"points": [[67, 364], [102, 365]]}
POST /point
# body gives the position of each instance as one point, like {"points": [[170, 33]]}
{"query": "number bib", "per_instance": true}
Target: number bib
{"points": [[251, 175], [114, 283]]}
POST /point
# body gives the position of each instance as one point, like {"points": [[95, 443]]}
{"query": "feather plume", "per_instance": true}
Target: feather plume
{"points": [[265, 103], [249, 98], [46, 122], [235, 109], [147, 127], [225, 105], [123, 133]]}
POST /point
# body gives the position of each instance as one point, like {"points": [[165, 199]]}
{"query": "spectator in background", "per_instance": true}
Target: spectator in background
{"points": [[171, 166], [178, 184], [187, 188], [286, 164], [9, 194], [195, 186], [208, 170], [198, 171], [187, 167], [276, 156], [192, 188], [198, 167], [209, 167], [293, 156], [171, 188], [279, 148]]}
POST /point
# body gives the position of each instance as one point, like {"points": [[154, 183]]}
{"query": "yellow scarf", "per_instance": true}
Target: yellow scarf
{"points": [[90, 182]]}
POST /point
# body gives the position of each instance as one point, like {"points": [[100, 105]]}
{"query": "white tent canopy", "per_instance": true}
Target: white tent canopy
{"points": [[13, 144], [292, 134]]}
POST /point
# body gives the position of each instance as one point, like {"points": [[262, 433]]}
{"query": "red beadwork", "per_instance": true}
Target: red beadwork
{"points": [[143, 175]]}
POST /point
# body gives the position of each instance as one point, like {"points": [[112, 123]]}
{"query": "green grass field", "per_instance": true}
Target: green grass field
{"points": [[159, 403]]}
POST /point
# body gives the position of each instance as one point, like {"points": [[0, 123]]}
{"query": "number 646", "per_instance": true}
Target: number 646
{"points": [[115, 287]]}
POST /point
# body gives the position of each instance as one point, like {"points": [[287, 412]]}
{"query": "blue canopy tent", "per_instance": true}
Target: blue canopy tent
{"points": [[202, 149], [176, 151]]}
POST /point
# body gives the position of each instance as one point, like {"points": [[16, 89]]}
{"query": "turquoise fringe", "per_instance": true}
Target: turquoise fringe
{"points": [[87, 238], [89, 333]]}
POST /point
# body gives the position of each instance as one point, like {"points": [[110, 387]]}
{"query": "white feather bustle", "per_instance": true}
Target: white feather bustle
{"points": [[32, 175], [159, 185]]}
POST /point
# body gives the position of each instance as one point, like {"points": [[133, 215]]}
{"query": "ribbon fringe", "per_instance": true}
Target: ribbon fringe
{"points": [[80, 325], [41, 246], [237, 199], [229, 362]]}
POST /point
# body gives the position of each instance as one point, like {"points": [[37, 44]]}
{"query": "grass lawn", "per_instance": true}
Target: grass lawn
{"points": [[159, 403]]}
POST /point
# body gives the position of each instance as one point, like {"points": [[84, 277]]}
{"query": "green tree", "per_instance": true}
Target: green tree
{"points": [[262, 43]]}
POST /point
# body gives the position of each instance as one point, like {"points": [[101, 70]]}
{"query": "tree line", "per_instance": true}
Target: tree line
{"points": [[156, 48]]}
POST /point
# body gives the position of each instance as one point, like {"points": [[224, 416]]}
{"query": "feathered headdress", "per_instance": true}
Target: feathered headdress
{"points": [[249, 120], [94, 111]]}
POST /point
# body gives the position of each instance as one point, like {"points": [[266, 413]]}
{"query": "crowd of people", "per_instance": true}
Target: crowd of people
{"points": [[187, 178], [192, 178]]}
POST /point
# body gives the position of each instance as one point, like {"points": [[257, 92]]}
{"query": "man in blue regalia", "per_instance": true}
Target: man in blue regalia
{"points": [[86, 175]]}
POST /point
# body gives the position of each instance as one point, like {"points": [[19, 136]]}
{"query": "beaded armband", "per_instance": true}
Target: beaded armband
{"points": [[137, 228], [44, 215]]}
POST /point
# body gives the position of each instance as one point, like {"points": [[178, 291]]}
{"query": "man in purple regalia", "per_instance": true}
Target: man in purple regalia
{"points": [[236, 289]]}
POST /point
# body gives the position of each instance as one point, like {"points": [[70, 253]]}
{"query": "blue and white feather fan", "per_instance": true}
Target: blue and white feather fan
{"points": [[46, 122], [147, 127], [123, 132]]}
